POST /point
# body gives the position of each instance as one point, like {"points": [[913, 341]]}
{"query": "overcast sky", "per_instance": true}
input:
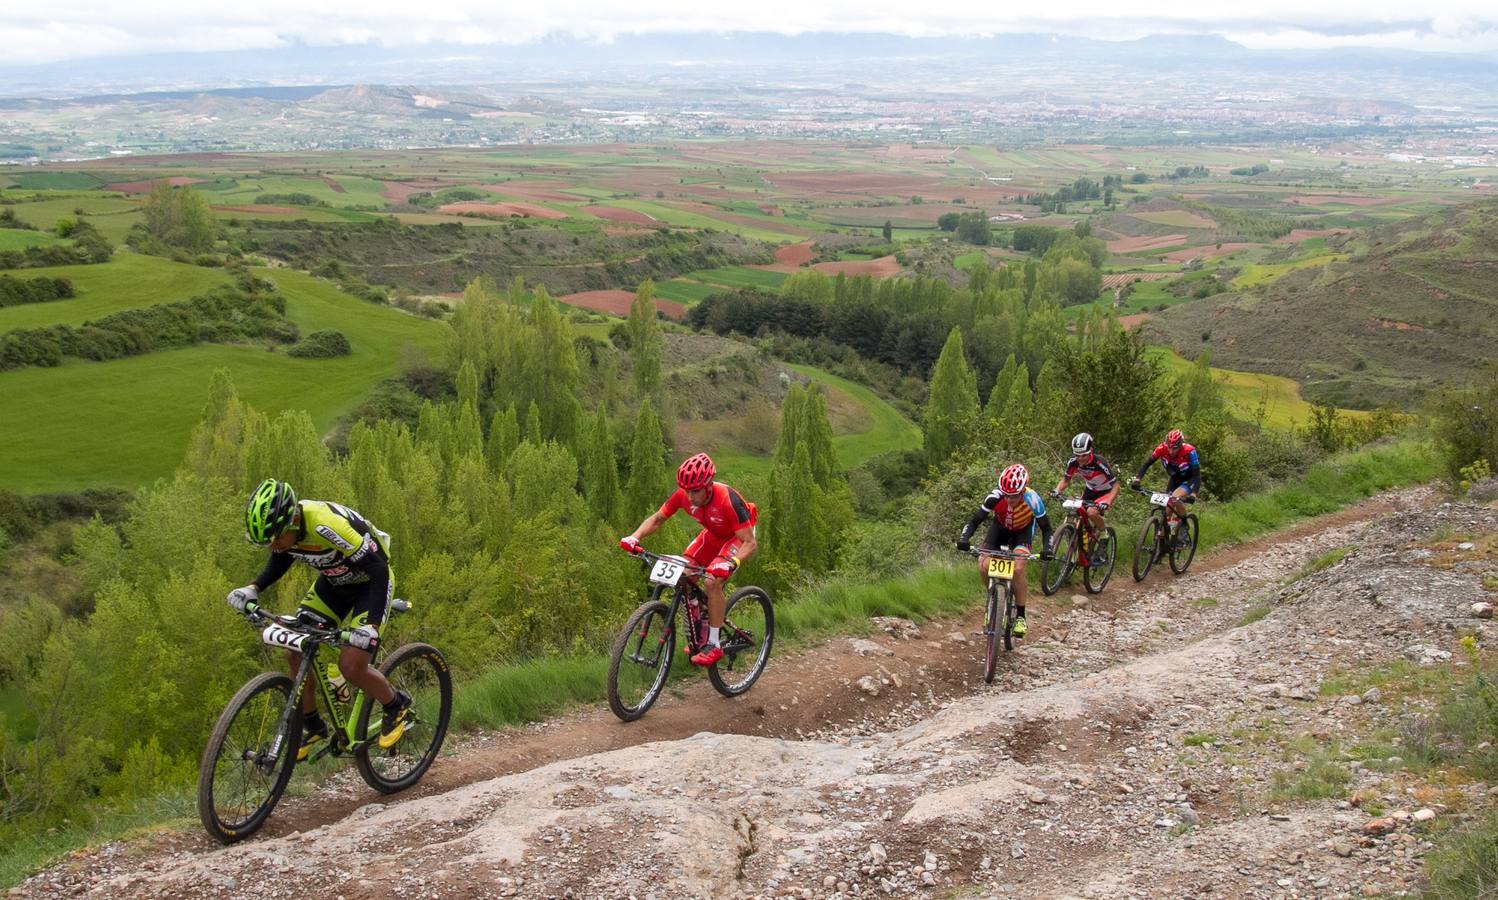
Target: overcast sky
{"points": [[37, 32]]}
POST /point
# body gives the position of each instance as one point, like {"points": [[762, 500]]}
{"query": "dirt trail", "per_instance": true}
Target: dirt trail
{"points": [[1054, 782]]}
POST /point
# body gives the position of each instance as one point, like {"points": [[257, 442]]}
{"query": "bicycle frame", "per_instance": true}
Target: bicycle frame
{"points": [[345, 714]]}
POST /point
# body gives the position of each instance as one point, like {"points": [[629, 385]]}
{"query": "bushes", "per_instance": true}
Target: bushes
{"points": [[89, 246], [15, 291], [325, 344], [225, 315]]}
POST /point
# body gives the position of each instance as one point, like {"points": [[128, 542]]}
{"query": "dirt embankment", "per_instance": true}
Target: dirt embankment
{"points": [[1128, 748]]}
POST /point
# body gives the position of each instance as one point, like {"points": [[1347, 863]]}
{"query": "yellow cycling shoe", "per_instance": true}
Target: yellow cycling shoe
{"points": [[397, 716], [311, 741]]}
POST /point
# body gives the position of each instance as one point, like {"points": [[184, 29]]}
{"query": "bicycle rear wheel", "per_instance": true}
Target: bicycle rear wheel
{"points": [[249, 759], [1055, 571], [421, 671], [1180, 557], [1104, 552], [747, 634], [640, 659], [993, 633], [1147, 548]]}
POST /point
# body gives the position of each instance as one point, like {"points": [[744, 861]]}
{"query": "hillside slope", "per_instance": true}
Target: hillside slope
{"points": [[1152, 748], [1414, 306]]}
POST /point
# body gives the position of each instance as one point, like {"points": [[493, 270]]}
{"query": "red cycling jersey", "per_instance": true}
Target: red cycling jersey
{"points": [[723, 515]]}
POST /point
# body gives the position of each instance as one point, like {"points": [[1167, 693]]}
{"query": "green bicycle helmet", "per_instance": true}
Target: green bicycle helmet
{"points": [[271, 508]]}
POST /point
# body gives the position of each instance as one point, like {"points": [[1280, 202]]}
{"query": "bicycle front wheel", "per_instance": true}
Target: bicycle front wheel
{"points": [[640, 660], [1180, 557], [1104, 552], [992, 632], [1055, 571], [747, 633], [249, 759], [421, 671], [1147, 548]]}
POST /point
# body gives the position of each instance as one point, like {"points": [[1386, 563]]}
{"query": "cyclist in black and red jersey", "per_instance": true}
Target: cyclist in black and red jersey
{"points": [[726, 540], [1183, 465], [1100, 482]]}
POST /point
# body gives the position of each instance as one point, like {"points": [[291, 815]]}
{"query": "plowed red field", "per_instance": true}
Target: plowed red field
{"points": [[614, 214], [617, 303]]}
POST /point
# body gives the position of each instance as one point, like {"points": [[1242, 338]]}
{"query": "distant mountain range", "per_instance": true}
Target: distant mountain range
{"points": [[676, 58]]}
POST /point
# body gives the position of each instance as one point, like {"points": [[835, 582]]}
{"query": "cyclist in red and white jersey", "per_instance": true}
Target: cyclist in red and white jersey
{"points": [[726, 539], [1100, 482]]}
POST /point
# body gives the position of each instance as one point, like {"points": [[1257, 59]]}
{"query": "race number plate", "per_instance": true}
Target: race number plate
{"points": [[277, 636], [998, 567], [666, 571], [1158, 499], [1071, 504]]}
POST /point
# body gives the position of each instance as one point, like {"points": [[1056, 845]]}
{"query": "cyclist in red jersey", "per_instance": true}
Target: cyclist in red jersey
{"points": [[726, 540]]}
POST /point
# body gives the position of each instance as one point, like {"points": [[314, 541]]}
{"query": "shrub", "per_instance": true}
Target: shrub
{"points": [[324, 344]]}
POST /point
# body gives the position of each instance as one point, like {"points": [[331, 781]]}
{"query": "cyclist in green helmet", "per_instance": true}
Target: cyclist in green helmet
{"points": [[353, 588]]}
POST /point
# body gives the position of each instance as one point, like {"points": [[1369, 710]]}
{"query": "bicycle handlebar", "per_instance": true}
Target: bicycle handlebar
{"points": [[1189, 498], [1001, 554], [318, 633], [645, 556]]}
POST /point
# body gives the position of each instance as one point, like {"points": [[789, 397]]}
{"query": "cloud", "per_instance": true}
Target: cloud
{"points": [[71, 29]]}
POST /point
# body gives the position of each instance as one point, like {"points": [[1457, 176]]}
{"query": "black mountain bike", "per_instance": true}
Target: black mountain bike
{"points": [[998, 621], [640, 660], [1078, 545], [254, 744], [1160, 537]]}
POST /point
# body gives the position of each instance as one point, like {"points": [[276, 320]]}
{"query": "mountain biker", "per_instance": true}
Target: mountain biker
{"points": [[1015, 509], [726, 539], [1100, 483], [353, 589], [1183, 465]]}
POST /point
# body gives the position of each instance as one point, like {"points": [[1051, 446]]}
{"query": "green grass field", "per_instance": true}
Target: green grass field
{"points": [[56, 181], [128, 281], [741, 277], [685, 219], [1244, 391], [357, 190], [684, 291], [111, 214], [1261, 273], [125, 422], [21, 238]]}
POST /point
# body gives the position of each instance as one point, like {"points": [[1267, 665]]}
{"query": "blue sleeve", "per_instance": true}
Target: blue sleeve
{"points": [[1037, 505]]}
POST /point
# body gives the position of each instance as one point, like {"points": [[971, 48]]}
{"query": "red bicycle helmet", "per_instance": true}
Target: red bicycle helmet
{"points": [[1175, 438], [696, 472], [1014, 479]]}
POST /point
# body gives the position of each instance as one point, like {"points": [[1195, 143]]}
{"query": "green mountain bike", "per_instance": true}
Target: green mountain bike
{"points": [[253, 748]]}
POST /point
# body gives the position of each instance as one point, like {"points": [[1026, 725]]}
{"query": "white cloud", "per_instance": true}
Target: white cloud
{"points": [[44, 32]]}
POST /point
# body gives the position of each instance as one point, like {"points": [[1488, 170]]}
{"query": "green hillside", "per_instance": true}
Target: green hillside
{"points": [[127, 281], [1412, 306], [126, 422]]}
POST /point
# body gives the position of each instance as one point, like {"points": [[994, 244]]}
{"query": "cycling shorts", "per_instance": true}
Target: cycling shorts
{"points": [[708, 548], [349, 605], [1016, 539], [1091, 496], [1194, 482]]}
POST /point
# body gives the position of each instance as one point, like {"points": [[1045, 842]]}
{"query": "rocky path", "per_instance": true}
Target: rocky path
{"points": [[1131, 748]]}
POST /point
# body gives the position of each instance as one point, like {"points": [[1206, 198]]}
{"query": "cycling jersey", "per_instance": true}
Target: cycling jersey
{"points": [[723, 514], [1010, 513], [1182, 462], [352, 559], [1097, 473]]}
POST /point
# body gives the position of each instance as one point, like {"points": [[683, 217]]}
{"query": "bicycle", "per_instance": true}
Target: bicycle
{"points": [[998, 627], [648, 641], [1075, 548], [1158, 536], [253, 747]]}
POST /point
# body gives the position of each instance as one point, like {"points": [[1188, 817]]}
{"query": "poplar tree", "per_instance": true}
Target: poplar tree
{"points": [[952, 408], [504, 436], [601, 469], [645, 340], [649, 476]]}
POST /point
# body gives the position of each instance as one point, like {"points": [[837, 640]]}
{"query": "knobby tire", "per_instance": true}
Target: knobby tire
{"points": [[659, 637], [235, 758], [421, 671], [721, 673]]}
